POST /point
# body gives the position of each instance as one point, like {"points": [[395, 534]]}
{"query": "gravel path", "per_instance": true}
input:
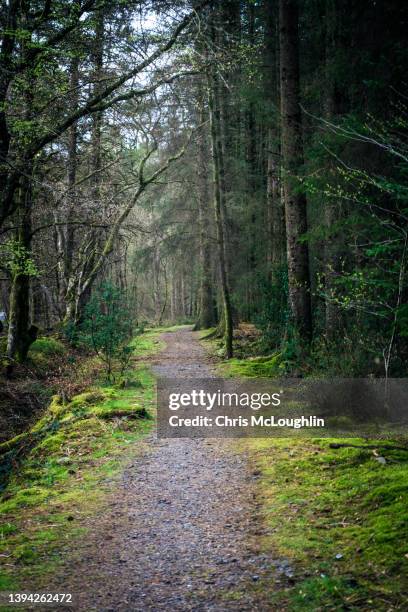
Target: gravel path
{"points": [[181, 531]]}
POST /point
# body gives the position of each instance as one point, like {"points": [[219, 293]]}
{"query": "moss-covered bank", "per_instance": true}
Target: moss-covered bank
{"points": [[339, 517], [74, 453], [336, 518]]}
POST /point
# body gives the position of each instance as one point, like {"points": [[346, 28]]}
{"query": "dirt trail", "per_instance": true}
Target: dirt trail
{"points": [[181, 531]]}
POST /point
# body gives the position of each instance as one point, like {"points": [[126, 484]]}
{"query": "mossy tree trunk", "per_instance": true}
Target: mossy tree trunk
{"points": [[21, 334]]}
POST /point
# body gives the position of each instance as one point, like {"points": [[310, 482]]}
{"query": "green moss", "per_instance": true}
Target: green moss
{"points": [[25, 554], [7, 529], [90, 398], [68, 471], [51, 444], [32, 496], [7, 582], [256, 367], [148, 343], [339, 516], [47, 345], [56, 405], [45, 535], [207, 333], [314, 591], [45, 351], [5, 446]]}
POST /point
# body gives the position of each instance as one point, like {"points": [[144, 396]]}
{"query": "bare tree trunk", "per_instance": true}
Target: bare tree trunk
{"points": [[332, 207], [65, 234], [10, 14], [79, 287], [183, 294], [173, 294], [275, 212], [292, 157], [252, 179], [166, 295], [97, 117], [219, 204], [21, 334], [206, 317], [72, 172]]}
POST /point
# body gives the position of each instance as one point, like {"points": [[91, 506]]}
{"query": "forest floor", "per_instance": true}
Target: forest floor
{"points": [[178, 529], [127, 522]]}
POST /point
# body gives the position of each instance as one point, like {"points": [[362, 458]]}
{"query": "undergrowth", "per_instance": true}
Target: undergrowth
{"points": [[74, 453]]}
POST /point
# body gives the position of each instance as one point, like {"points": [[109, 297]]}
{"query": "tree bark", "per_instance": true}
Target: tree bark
{"points": [[206, 317], [275, 213], [292, 158], [21, 334], [65, 234], [78, 292], [219, 204], [6, 63], [332, 207]]}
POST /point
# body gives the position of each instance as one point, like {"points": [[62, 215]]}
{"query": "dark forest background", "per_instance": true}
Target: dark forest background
{"points": [[240, 166], [217, 163]]}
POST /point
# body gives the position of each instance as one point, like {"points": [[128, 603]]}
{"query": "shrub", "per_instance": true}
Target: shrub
{"points": [[108, 326]]}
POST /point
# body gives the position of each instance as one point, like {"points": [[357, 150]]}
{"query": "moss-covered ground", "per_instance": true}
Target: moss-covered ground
{"points": [[337, 517], [72, 455], [246, 363]]}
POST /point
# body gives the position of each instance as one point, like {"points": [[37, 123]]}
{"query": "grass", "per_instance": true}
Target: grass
{"points": [[75, 451]]}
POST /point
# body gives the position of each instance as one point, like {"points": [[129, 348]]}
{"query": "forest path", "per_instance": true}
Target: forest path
{"points": [[180, 532]]}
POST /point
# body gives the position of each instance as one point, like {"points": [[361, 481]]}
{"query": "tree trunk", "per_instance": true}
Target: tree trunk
{"points": [[6, 63], [252, 196], [219, 203], [206, 317], [332, 207], [275, 213], [66, 233], [97, 117], [292, 158], [79, 287], [21, 334]]}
